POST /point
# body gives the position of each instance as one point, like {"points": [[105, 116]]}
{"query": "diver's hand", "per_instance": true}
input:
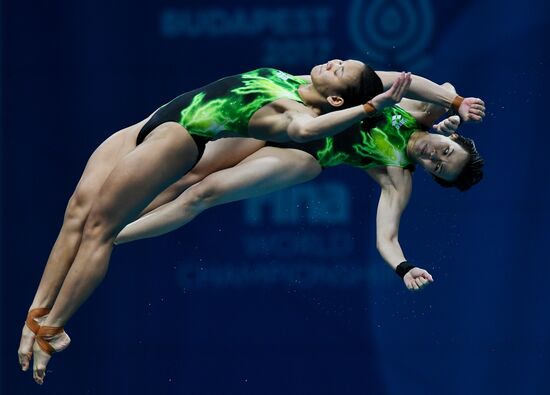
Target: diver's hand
{"points": [[394, 94], [472, 109], [417, 278], [448, 126]]}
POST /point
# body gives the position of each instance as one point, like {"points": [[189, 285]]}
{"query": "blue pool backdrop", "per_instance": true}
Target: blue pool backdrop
{"points": [[284, 294]]}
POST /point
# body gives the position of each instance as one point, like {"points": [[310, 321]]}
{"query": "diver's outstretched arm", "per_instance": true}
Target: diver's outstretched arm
{"points": [[304, 127], [426, 113], [470, 109], [396, 187]]}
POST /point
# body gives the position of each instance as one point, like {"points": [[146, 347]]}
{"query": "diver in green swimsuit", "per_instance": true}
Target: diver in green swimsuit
{"points": [[388, 150], [136, 164], [228, 104], [225, 107]]}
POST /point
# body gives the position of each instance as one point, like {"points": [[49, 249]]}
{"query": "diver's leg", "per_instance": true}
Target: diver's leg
{"points": [[165, 155], [267, 170], [100, 164], [219, 154]]}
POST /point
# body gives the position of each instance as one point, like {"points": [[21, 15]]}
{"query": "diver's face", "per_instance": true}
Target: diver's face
{"points": [[439, 155], [335, 76]]}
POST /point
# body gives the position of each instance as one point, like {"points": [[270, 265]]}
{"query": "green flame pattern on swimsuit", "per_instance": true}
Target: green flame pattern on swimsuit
{"points": [[230, 102], [383, 145]]}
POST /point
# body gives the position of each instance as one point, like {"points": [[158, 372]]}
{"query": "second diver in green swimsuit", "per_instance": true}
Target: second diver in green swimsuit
{"points": [[387, 150]]}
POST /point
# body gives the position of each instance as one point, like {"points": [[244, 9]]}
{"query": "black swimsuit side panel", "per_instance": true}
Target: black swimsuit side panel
{"points": [[171, 112]]}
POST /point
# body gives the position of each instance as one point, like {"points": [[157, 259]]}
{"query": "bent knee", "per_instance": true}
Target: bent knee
{"points": [[202, 196], [78, 207], [304, 166], [312, 167], [99, 227]]}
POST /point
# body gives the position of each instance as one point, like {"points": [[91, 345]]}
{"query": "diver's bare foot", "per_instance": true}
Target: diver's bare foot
{"points": [[25, 348], [34, 320], [52, 340]]}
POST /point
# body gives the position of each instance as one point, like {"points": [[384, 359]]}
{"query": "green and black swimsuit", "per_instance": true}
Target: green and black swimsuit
{"points": [[225, 105], [385, 144]]}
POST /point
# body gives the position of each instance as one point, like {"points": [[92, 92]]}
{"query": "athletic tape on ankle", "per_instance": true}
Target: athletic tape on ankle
{"points": [[47, 331], [35, 313]]}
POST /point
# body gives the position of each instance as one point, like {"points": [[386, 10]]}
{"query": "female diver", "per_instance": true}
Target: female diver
{"points": [[134, 165]]}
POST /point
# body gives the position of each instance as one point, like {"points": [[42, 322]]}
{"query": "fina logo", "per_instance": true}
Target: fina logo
{"points": [[316, 204], [394, 32], [397, 121]]}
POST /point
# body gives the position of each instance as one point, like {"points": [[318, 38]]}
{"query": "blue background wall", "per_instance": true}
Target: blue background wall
{"points": [[268, 296]]}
